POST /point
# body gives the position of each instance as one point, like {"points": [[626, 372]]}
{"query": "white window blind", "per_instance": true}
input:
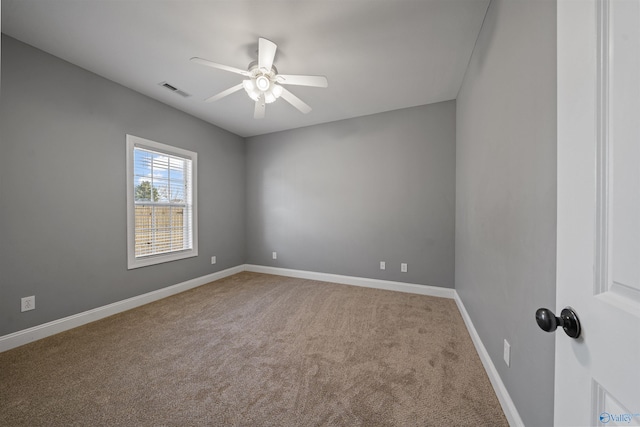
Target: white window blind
{"points": [[161, 203]]}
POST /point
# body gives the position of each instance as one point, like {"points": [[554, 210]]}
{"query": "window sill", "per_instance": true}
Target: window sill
{"points": [[159, 259]]}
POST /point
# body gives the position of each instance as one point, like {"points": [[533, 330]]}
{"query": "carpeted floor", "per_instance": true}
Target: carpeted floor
{"points": [[257, 350]]}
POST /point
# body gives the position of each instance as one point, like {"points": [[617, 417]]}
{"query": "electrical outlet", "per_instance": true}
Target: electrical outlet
{"points": [[507, 352], [403, 267], [28, 303], [213, 259], [383, 265], [274, 255]]}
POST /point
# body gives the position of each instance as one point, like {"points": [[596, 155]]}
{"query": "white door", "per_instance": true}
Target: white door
{"points": [[597, 376]]}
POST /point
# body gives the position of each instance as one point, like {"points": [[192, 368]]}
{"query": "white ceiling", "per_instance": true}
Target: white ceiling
{"points": [[377, 55]]}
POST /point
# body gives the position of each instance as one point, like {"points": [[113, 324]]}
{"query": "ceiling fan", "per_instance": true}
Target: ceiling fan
{"points": [[264, 85]]}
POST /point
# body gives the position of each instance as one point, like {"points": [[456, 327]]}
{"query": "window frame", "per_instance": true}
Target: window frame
{"points": [[132, 143]]}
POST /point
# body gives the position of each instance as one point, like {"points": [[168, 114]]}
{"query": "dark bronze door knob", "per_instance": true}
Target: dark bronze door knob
{"points": [[568, 320]]}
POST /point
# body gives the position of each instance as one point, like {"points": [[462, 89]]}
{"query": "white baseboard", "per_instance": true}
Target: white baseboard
{"points": [[35, 333], [26, 336], [509, 408], [411, 288]]}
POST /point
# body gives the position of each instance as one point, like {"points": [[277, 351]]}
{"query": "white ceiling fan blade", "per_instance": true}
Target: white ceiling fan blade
{"points": [[266, 54], [315, 81], [224, 93], [259, 109], [295, 101], [211, 64]]}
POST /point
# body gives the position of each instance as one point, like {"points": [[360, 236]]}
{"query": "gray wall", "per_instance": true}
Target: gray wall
{"points": [[342, 196], [62, 187], [506, 195]]}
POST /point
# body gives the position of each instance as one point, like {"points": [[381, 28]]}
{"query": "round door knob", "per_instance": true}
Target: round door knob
{"points": [[568, 320]]}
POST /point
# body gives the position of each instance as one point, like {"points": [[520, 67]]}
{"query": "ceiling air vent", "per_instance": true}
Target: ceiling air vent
{"points": [[174, 89]]}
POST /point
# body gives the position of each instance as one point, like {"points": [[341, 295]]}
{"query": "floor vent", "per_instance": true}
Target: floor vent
{"points": [[174, 89]]}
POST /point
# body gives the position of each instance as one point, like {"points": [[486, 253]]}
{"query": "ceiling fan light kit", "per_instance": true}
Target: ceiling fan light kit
{"points": [[264, 84]]}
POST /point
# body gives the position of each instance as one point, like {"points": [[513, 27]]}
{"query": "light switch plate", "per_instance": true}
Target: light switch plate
{"points": [[507, 352]]}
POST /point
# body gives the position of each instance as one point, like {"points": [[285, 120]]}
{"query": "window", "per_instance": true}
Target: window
{"points": [[161, 203]]}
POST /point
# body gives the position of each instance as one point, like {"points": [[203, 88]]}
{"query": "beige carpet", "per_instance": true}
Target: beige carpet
{"points": [[257, 350]]}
